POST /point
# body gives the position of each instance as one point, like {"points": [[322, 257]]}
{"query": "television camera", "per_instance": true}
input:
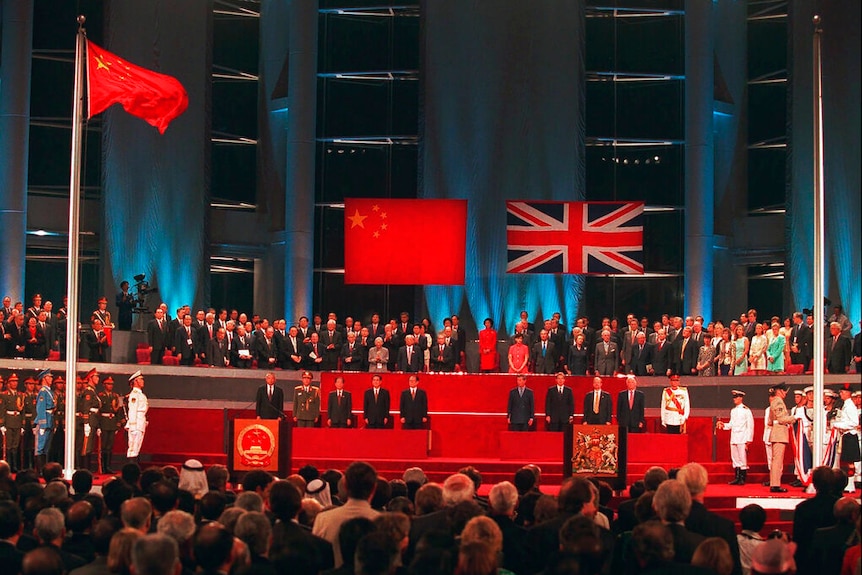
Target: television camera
{"points": [[142, 290]]}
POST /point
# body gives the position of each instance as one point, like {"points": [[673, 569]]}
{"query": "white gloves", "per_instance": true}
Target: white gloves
{"points": [[87, 429], [99, 431], [3, 429], [41, 431]]}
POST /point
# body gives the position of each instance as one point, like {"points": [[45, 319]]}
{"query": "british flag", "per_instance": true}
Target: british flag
{"points": [[574, 237]]}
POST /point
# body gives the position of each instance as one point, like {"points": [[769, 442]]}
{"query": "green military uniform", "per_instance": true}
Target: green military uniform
{"points": [[86, 413], [109, 408], [13, 413], [28, 440], [58, 442], [306, 405]]}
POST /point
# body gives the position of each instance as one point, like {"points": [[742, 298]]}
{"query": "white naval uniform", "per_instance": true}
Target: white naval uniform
{"points": [[137, 423], [741, 427]]}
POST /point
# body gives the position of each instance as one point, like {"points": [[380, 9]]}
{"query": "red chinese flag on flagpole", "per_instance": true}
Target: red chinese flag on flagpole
{"points": [[385, 241], [155, 98]]}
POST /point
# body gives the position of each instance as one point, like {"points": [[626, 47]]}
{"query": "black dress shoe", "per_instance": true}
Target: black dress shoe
{"points": [[765, 483], [795, 483], [777, 490]]}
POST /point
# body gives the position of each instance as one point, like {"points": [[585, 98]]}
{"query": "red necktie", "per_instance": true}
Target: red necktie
{"points": [[631, 399]]}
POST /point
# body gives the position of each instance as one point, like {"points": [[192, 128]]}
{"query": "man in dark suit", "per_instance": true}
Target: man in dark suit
{"points": [[460, 338], [838, 350], [544, 355], [543, 540], [413, 405], [157, 337], [685, 354], [641, 356], [314, 352], [857, 349], [559, 404], [375, 404], [829, 543], [339, 407], [217, 352], [375, 328], [10, 556], [97, 342], [242, 349], [269, 401], [672, 503], [285, 502], [607, 355], [410, 357], [521, 408], [291, 349], [265, 350], [184, 342], [661, 355], [812, 514], [351, 354], [206, 333], [702, 521], [331, 341], [597, 405], [441, 357], [800, 341], [630, 406]]}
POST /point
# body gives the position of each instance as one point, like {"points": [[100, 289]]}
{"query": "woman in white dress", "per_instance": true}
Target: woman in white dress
{"points": [[757, 349]]}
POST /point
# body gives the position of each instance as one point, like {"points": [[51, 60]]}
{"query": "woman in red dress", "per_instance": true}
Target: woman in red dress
{"points": [[519, 356], [488, 348]]}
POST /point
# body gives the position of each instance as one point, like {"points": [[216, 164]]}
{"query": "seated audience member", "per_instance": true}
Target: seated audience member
{"points": [[503, 502], [376, 554], [653, 546], [752, 519], [120, 550], [429, 498], [156, 554], [714, 553], [285, 502], [774, 556], [829, 543], [255, 530], [672, 502]]}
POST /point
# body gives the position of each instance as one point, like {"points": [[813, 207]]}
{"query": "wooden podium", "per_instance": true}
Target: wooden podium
{"points": [[260, 444]]}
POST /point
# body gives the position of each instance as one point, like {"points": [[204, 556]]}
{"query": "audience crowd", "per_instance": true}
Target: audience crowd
{"points": [[163, 521], [228, 338]]}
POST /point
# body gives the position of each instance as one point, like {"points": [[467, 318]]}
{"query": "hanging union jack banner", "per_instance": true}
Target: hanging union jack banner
{"points": [[574, 237]]}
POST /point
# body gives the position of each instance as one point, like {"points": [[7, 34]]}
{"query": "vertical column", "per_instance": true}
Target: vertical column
{"points": [[699, 157], [300, 157], [17, 46]]}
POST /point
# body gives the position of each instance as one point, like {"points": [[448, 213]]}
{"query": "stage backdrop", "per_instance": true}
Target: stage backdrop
{"points": [[502, 118], [156, 187]]}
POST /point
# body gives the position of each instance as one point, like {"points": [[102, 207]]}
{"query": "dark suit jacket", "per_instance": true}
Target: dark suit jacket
{"points": [[339, 413], [604, 414], [217, 352], [374, 412], [578, 360], [516, 554], [204, 337], [330, 356], [809, 516], [240, 343], [804, 340], [266, 408], [630, 418], [446, 364], [606, 363], [685, 362], [182, 346], [10, 557], [559, 407], [292, 536], [701, 520], [286, 349], [521, 409], [263, 352], [156, 337], [661, 358], [828, 546], [414, 409], [96, 346], [684, 543], [417, 360], [546, 363], [640, 359], [838, 356]]}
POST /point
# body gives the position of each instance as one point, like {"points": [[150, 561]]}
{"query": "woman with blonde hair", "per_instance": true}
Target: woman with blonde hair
{"points": [[740, 351], [120, 550], [713, 553], [757, 349]]}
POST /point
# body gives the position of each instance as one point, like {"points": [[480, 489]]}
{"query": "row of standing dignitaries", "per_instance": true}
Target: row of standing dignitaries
{"points": [[269, 404], [413, 405]]}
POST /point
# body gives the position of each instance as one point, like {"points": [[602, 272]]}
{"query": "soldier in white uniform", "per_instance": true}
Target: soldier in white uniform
{"points": [[741, 427], [137, 407], [675, 406]]}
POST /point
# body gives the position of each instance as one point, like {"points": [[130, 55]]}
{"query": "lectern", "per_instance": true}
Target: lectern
{"points": [[260, 444]]}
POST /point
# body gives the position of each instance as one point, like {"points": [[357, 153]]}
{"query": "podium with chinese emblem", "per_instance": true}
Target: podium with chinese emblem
{"points": [[260, 444]]}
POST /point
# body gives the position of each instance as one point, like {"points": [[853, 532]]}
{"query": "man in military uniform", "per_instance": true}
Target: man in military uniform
{"points": [[741, 427], [91, 425], [675, 406], [109, 408], [57, 447], [306, 402], [13, 411], [779, 436], [28, 439], [45, 407], [802, 457], [136, 424]]}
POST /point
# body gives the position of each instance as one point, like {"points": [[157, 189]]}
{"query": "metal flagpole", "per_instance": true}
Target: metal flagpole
{"points": [[72, 269], [819, 313]]}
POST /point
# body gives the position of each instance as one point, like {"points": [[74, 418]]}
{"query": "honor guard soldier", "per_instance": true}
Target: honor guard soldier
{"points": [[306, 402], [13, 411], [57, 448], [675, 406], [82, 421], [109, 409], [91, 407], [741, 427], [28, 438], [45, 407], [136, 424]]}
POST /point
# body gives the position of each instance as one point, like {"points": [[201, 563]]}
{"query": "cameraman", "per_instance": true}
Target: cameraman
{"points": [[125, 303]]}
